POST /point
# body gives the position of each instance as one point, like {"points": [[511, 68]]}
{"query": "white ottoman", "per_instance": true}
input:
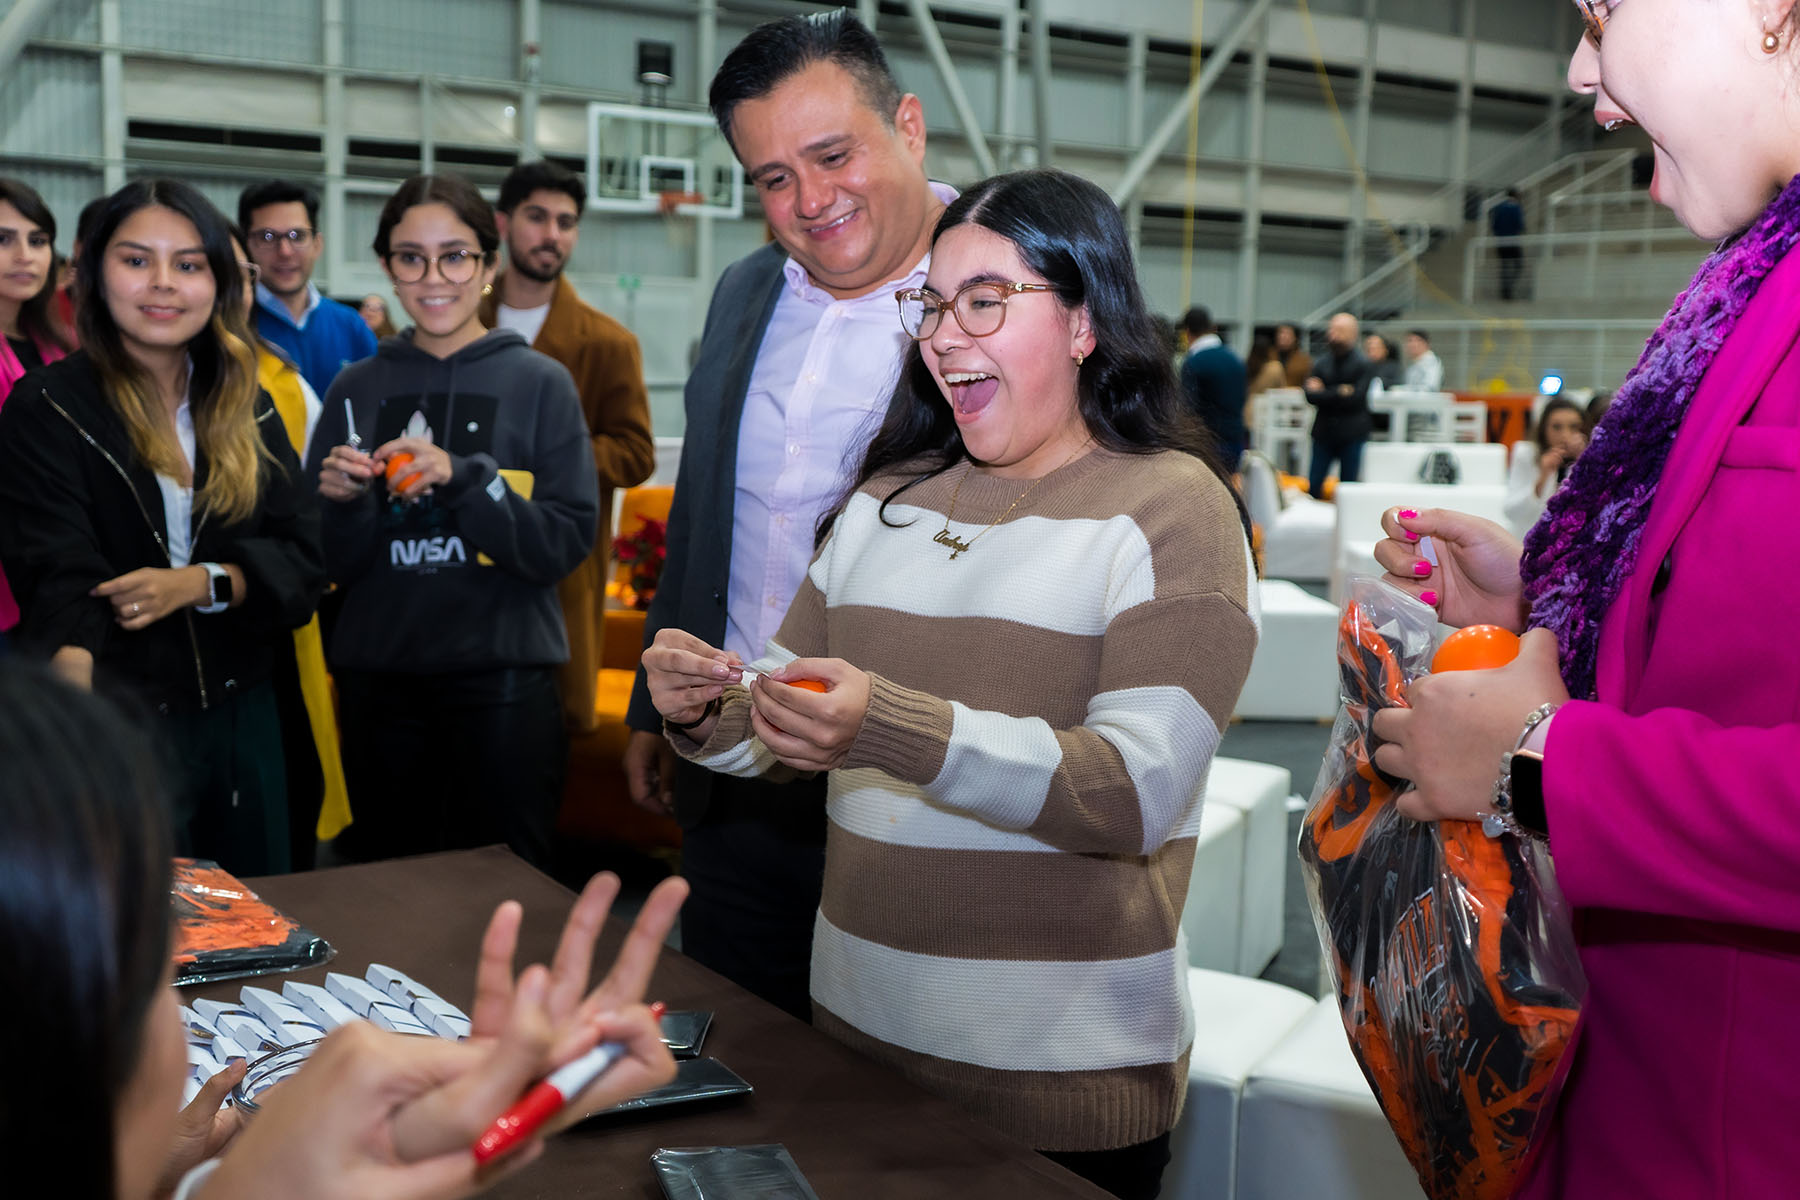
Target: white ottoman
{"points": [[1293, 676], [1259, 791], [1213, 915], [1309, 1127], [1236, 1022]]}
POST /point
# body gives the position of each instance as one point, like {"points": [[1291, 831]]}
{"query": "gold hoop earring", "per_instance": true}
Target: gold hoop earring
{"points": [[1079, 359], [487, 289], [1771, 43]]}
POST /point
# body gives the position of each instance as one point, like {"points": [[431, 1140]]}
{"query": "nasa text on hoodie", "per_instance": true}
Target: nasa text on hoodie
{"points": [[464, 578]]}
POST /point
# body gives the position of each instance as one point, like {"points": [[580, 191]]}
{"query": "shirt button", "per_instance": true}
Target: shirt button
{"points": [[774, 601], [793, 450]]}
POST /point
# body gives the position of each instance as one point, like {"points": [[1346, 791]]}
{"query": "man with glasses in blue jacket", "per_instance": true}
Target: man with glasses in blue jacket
{"points": [[280, 220]]}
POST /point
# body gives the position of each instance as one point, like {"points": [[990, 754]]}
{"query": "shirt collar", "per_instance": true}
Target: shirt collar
{"points": [[801, 286], [1205, 341], [275, 304]]}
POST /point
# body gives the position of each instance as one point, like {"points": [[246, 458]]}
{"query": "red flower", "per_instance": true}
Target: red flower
{"points": [[643, 550]]}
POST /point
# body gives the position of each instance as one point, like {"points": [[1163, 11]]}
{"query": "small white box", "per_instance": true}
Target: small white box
{"points": [[201, 1061], [453, 1029], [271, 1009], [429, 1010], [353, 993], [292, 1033], [399, 985], [395, 1019], [211, 1010], [255, 1037], [206, 1036], [320, 1006]]}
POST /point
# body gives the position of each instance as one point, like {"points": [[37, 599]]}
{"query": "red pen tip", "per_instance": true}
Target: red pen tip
{"points": [[657, 1010]]}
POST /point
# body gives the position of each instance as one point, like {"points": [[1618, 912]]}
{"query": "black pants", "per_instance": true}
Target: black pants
{"points": [[229, 783], [1130, 1172], [756, 865], [1326, 449], [1512, 266], [445, 762]]}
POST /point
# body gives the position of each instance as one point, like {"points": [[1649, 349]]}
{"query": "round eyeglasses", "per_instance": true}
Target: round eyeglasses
{"points": [[979, 308], [1594, 14], [456, 266]]}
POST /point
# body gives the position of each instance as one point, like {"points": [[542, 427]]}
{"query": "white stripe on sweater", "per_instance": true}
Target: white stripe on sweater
{"points": [[1033, 555], [1008, 1015], [1167, 742]]}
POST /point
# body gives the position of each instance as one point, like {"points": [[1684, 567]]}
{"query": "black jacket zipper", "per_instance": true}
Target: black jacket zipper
{"points": [[193, 636]]}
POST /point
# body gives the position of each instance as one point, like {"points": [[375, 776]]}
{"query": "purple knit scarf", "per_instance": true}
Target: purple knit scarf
{"points": [[1580, 553]]}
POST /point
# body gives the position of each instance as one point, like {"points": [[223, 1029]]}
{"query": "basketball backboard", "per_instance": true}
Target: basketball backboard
{"points": [[637, 155]]}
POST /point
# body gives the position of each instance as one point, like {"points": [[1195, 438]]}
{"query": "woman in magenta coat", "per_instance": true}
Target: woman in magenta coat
{"points": [[1656, 588]]}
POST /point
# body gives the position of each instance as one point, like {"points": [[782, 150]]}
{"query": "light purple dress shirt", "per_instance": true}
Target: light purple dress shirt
{"points": [[820, 388]]}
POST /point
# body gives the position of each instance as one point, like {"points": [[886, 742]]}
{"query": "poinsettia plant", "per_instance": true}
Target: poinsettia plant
{"points": [[642, 552]]}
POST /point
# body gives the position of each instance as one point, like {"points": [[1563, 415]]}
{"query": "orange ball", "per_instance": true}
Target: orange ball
{"points": [[1476, 648], [397, 464]]}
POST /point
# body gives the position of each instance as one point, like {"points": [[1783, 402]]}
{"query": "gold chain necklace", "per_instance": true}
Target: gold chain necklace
{"points": [[959, 547]]}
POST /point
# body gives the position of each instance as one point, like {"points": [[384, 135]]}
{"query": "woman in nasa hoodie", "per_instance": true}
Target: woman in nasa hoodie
{"points": [[459, 489]]}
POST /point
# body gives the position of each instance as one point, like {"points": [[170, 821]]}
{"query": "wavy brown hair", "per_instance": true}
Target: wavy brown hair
{"points": [[222, 387]]}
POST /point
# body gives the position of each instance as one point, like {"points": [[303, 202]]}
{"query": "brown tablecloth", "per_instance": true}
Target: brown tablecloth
{"points": [[858, 1131]]}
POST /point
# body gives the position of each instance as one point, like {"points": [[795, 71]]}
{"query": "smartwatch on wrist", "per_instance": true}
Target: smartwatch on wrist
{"points": [[218, 588], [1527, 771]]}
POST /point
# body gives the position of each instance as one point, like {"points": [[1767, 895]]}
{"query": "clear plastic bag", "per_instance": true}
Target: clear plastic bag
{"points": [[1452, 952], [731, 1173]]}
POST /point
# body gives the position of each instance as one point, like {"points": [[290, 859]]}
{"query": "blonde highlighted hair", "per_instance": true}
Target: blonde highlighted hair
{"points": [[222, 386]]}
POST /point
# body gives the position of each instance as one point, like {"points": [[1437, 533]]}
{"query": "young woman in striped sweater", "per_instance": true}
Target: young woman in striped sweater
{"points": [[1032, 618]]}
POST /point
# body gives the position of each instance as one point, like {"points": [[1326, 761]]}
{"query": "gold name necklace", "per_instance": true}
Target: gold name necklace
{"points": [[956, 545]]}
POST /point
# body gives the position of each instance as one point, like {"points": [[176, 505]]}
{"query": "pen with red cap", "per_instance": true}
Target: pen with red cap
{"points": [[550, 1096]]}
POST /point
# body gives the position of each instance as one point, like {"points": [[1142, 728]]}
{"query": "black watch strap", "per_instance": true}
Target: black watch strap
{"points": [[1527, 769]]}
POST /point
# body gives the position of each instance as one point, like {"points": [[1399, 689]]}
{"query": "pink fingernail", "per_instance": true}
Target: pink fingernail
{"points": [[1429, 598], [1410, 535], [1421, 569], [1407, 514]]}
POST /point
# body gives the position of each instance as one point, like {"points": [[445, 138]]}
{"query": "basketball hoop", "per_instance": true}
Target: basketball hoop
{"points": [[668, 203]]}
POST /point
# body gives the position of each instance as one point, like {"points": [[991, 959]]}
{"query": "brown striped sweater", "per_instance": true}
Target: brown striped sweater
{"points": [[1012, 835]]}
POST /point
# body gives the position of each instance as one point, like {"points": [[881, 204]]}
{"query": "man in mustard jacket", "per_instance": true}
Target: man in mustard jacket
{"points": [[539, 215]]}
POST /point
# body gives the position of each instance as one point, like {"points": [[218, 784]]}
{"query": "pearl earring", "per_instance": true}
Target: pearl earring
{"points": [[1771, 43]]}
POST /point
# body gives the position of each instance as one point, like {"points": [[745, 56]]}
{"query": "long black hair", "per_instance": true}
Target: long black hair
{"points": [[84, 919], [1071, 235], [34, 314]]}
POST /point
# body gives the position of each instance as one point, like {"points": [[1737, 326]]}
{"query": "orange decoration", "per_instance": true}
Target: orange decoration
{"points": [[806, 685], [1476, 648], [395, 465]]}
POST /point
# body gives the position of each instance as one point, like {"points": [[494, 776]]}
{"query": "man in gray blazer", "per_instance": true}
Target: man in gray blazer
{"points": [[800, 352]]}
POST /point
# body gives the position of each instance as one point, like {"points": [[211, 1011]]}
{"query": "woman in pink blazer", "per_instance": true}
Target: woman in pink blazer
{"points": [[1656, 588]]}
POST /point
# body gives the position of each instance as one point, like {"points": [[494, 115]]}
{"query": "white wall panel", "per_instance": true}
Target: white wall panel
{"points": [[589, 47], [1214, 281], [277, 30], [477, 38], [1434, 15], [51, 103], [243, 97], [73, 20]]}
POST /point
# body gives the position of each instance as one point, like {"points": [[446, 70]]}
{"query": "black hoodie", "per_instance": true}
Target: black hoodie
{"points": [[465, 578]]}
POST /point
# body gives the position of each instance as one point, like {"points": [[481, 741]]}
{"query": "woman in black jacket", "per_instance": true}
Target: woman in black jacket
{"points": [[152, 520]]}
